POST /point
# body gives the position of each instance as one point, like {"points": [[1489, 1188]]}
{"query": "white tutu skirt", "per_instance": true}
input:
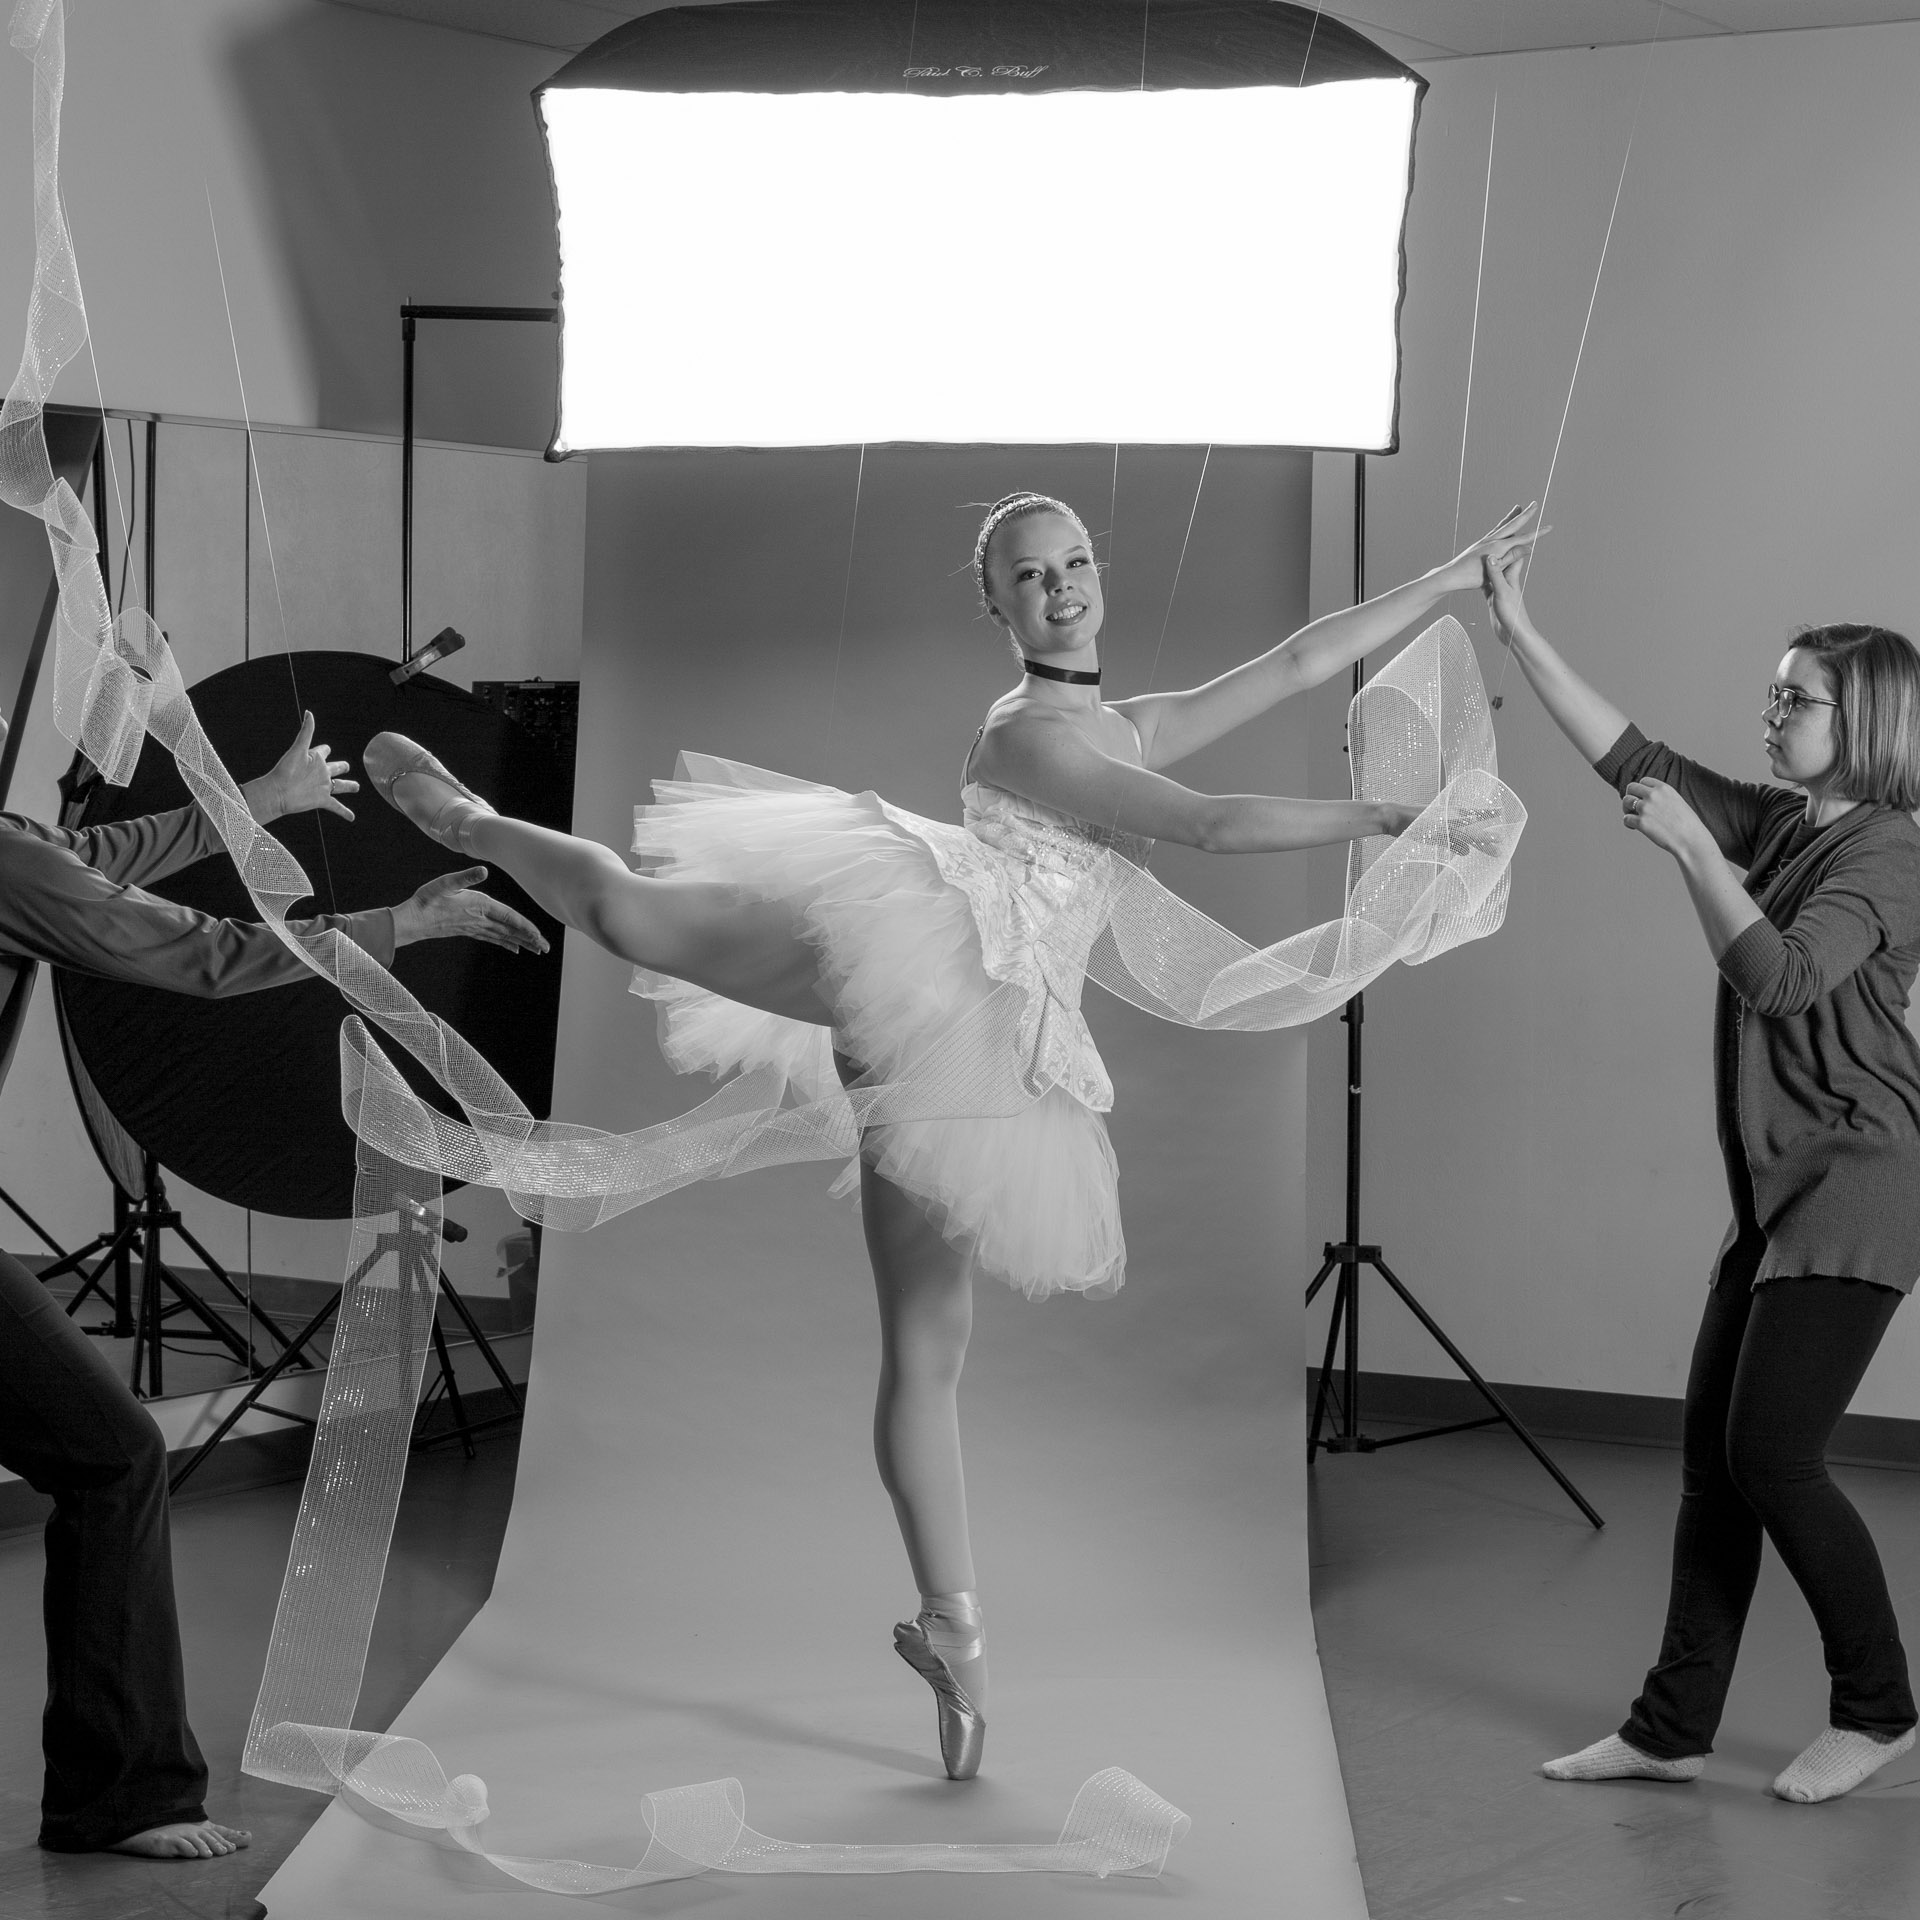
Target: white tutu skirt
{"points": [[1027, 1189]]}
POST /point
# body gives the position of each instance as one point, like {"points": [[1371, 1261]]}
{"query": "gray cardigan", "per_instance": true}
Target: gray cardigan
{"points": [[1816, 1076]]}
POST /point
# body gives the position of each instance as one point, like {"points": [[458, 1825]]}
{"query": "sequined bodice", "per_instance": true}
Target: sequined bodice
{"points": [[1054, 841], [1041, 886]]}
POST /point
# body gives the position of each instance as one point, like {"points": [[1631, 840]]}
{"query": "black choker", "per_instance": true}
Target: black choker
{"points": [[1065, 674]]}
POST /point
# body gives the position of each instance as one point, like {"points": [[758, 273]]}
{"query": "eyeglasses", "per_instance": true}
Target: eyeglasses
{"points": [[1784, 702]]}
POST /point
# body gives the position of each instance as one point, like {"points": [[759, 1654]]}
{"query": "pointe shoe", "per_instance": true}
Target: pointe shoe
{"points": [[390, 757], [963, 1727]]}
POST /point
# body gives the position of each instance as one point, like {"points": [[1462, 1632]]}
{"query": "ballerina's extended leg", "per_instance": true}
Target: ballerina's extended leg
{"points": [[748, 950]]}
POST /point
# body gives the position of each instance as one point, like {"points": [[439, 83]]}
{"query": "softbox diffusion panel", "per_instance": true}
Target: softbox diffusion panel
{"points": [[242, 1096], [822, 222]]}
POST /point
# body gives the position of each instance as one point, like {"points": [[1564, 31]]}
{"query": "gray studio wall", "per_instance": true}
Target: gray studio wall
{"points": [[712, 620], [1741, 457], [353, 161]]}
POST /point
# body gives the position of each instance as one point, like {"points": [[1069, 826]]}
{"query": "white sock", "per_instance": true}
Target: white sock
{"points": [[1836, 1763], [1613, 1759]]}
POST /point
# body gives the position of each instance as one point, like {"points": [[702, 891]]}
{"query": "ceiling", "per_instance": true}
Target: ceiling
{"points": [[1415, 30]]}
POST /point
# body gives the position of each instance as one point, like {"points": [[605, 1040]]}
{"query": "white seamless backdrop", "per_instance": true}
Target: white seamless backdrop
{"points": [[701, 1569]]}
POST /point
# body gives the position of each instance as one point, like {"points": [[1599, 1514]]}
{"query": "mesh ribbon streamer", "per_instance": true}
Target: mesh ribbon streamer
{"points": [[1420, 732]]}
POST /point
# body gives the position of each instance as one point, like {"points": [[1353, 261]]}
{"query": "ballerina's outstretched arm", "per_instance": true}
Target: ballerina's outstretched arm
{"points": [[1173, 725]]}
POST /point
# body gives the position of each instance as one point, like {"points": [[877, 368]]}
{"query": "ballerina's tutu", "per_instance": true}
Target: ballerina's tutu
{"points": [[951, 960]]}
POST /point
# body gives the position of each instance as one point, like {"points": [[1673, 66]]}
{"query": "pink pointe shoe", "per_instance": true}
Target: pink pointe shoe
{"points": [[440, 814], [963, 1727]]}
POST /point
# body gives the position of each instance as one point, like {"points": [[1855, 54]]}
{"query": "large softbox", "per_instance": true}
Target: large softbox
{"points": [[822, 222]]}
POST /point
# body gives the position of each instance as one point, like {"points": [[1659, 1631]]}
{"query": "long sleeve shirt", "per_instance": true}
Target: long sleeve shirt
{"points": [[1816, 1074], [74, 898]]}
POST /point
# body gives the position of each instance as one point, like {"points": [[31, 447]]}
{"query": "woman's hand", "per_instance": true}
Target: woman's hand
{"points": [[447, 908], [1509, 540], [1657, 810], [302, 779], [1500, 581]]}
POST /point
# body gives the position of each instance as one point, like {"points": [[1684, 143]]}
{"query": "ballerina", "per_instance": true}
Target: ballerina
{"points": [[832, 933]]}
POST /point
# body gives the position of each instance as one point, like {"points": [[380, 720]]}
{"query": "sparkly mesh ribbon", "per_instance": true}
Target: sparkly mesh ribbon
{"points": [[1420, 732]]}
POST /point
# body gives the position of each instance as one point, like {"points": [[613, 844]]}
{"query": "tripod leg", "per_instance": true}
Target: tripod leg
{"points": [[91, 1284], [1326, 1366], [214, 1325], [452, 1385], [479, 1339], [149, 1326], [76, 1260], [126, 1230], [254, 1390], [1319, 1280], [1492, 1399], [259, 1315]]}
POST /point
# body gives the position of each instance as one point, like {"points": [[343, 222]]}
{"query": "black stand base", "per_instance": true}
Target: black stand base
{"points": [[447, 1385], [1348, 1258], [138, 1224]]}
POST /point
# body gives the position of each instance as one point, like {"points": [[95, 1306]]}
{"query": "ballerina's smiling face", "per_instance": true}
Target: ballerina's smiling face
{"points": [[1044, 588]]}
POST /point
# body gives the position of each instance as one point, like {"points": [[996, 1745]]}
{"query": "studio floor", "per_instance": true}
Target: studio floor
{"points": [[1470, 1625]]}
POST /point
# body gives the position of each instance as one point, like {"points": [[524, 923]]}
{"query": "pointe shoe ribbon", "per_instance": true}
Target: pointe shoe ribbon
{"points": [[963, 1728], [390, 757]]}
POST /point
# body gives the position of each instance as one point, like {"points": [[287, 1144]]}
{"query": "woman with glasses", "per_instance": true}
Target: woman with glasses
{"points": [[1817, 1092]]}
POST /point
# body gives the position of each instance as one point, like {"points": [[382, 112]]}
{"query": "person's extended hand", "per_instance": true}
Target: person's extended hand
{"points": [[1514, 535], [302, 779], [1657, 810], [1501, 581], [449, 908]]}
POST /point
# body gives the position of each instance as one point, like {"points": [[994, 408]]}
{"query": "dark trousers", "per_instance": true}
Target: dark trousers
{"points": [[1773, 1370], [120, 1755]]}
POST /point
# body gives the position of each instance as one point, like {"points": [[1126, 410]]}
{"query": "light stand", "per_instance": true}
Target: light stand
{"points": [[463, 1428], [139, 1221], [410, 315], [1349, 1256]]}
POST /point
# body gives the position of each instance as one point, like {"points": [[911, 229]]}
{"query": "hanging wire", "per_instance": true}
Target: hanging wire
{"points": [[1179, 567], [106, 431], [1473, 344], [126, 545], [1306, 58], [266, 525], [1646, 74], [846, 600]]}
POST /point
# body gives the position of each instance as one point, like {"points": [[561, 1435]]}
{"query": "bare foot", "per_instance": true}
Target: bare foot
{"points": [[183, 1840]]}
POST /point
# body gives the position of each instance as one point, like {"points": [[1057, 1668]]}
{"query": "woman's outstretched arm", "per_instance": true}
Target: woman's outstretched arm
{"points": [[1590, 720], [1173, 725], [1650, 807]]}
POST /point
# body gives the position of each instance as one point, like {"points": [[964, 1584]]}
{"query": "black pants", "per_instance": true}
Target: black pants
{"points": [[1773, 1370], [120, 1755]]}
